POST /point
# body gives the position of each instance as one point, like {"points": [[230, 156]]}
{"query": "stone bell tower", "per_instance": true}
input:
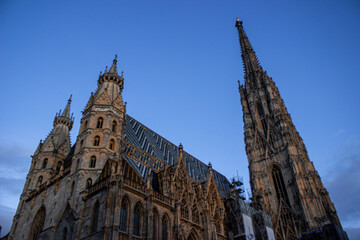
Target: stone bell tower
{"points": [[283, 180]]}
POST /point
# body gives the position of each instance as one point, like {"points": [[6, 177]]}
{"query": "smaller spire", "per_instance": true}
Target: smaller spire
{"points": [[181, 150], [64, 117]]}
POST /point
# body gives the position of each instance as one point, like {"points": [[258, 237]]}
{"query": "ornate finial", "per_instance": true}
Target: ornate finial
{"points": [[70, 98], [105, 69], [100, 73], [122, 74], [181, 147], [115, 57], [238, 22], [210, 166]]}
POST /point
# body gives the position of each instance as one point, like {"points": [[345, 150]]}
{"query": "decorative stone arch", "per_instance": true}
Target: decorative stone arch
{"points": [[193, 235], [37, 223], [66, 221]]}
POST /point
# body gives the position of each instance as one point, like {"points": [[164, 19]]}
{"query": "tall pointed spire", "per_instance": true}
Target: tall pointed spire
{"points": [[250, 61], [66, 112], [113, 68]]}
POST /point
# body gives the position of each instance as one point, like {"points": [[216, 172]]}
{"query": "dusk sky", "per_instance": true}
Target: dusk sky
{"points": [[181, 63]]}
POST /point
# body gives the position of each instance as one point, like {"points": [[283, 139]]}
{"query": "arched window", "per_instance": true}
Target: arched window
{"points": [[44, 163], [63, 234], [123, 215], [95, 218], [137, 220], [195, 215], [58, 167], [114, 126], [279, 184], [112, 144], [77, 164], [85, 125], [96, 141], [92, 162], [164, 228], [184, 209], [88, 183], [155, 224], [72, 188], [81, 144], [39, 182], [37, 224], [100, 122]]}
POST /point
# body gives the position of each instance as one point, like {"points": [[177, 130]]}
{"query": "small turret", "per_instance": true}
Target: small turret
{"points": [[112, 75], [64, 117]]}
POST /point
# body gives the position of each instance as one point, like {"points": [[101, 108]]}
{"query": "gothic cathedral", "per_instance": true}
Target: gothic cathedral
{"points": [[283, 180], [122, 180]]}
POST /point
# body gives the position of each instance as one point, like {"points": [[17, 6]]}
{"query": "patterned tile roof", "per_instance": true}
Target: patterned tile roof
{"points": [[154, 144]]}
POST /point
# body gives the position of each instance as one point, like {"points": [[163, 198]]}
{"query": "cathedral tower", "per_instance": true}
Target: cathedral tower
{"points": [[283, 180]]}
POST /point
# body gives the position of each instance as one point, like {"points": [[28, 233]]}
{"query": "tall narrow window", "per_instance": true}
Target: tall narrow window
{"points": [[64, 233], [279, 184], [77, 164], [112, 144], [72, 188], [95, 218], [85, 125], [58, 167], [100, 122], [96, 141], [92, 162], [164, 228], [88, 183], [44, 163], [123, 216], [81, 144], [155, 224], [39, 182], [114, 126], [137, 220]]}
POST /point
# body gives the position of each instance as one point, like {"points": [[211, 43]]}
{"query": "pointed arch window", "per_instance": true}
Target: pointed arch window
{"points": [[77, 164], [114, 126], [279, 184], [137, 220], [95, 218], [155, 224], [123, 216], [92, 162], [37, 224], [88, 183], [164, 228], [44, 163], [72, 188], [58, 167], [112, 144], [39, 182], [99, 123], [96, 141]]}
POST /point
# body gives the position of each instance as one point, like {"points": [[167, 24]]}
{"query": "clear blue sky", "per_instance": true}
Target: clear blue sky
{"points": [[181, 62]]}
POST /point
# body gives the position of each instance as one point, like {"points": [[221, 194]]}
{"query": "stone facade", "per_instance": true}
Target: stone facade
{"points": [[120, 180], [283, 180]]}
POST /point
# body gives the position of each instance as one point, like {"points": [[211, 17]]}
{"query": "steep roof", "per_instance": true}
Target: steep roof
{"points": [[154, 144]]}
